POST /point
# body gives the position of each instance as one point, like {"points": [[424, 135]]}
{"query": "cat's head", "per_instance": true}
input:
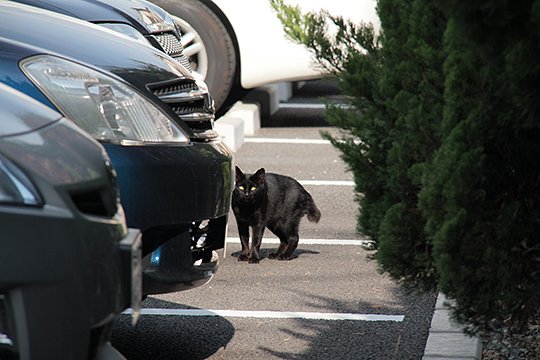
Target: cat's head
{"points": [[248, 187]]}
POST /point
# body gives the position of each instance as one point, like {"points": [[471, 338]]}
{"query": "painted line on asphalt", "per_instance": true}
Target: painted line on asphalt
{"points": [[236, 240], [326, 182], [266, 140], [269, 314], [310, 106], [263, 140], [301, 106]]}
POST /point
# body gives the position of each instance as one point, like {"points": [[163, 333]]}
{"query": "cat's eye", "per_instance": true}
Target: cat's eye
{"points": [[241, 187], [253, 188]]}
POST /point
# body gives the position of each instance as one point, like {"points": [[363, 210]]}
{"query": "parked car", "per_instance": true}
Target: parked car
{"points": [[138, 19], [68, 263], [237, 45], [154, 120]]}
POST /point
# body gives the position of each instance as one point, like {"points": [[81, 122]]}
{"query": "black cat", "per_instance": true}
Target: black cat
{"points": [[274, 201]]}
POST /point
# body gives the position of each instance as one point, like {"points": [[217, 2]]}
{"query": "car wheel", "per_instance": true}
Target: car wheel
{"points": [[207, 44]]}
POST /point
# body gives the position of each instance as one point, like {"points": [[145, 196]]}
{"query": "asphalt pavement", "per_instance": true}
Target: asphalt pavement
{"points": [[331, 302]]}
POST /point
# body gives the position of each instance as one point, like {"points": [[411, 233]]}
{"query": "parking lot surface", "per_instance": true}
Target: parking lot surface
{"points": [[331, 302]]}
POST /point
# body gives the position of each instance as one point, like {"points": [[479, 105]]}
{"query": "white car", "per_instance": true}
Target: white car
{"points": [[236, 45]]}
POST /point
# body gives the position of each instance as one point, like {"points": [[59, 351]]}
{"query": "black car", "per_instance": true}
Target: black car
{"points": [[153, 118], [138, 19], [68, 264]]}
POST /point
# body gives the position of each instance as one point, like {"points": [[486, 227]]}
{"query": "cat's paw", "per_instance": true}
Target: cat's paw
{"points": [[243, 257], [254, 260], [273, 255]]}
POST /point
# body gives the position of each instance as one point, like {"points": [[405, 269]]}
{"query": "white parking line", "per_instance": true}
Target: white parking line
{"points": [[309, 106], [301, 106], [236, 240], [262, 140], [326, 182], [269, 314]]}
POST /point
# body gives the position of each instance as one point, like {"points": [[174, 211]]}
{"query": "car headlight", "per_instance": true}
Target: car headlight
{"points": [[15, 187], [106, 108], [126, 30], [153, 21]]}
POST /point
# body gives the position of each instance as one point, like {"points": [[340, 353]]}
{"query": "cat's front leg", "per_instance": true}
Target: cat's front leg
{"points": [[243, 231], [256, 241]]}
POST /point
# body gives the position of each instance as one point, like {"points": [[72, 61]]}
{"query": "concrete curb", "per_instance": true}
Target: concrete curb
{"points": [[231, 131], [446, 341], [244, 117]]}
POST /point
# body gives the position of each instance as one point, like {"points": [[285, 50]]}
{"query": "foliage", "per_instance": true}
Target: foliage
{"points": [[442, 137], [395, 87], [481, 198]]}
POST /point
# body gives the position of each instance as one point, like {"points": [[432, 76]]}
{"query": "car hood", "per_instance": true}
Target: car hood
{"points": [[18, 117], [143, 15], [136, 63]]}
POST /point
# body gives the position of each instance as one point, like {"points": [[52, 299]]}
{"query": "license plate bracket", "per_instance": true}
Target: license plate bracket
{"points": [[130, 248]]}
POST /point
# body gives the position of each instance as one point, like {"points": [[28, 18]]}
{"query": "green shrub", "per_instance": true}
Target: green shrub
{"points": [[395, 87], [443, 139], [481, 198]]}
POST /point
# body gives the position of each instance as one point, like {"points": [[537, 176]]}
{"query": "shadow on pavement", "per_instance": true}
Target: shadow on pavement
{"points": [[170, 337], [265, 252], [347, 339]]}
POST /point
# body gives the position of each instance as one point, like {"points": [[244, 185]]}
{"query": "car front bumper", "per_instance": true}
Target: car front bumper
{"points": [[179, 196], [165, 186], [62, 280]]}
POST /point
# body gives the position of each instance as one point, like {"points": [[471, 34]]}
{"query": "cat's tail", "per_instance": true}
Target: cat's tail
{"points": [[314, 214]]}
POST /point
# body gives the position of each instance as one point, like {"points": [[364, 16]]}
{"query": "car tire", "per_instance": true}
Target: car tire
{"points": [[207, 44]]}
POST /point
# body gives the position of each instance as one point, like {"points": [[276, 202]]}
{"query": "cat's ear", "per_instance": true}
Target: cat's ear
{"points": [[239, 174], [258, 177]]}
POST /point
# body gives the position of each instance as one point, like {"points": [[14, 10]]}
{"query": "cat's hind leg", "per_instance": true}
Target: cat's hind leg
{"points": [[281, 248], [292, 244], [282, 242], [290, 237]]}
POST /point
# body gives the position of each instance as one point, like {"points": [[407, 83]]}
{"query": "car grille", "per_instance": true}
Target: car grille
{"points": [[172, 46], [191, 103]]}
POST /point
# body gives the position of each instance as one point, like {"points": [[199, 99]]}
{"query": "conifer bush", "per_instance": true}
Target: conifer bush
{"points": [[443, 139], [394, 84], [481, 198]]}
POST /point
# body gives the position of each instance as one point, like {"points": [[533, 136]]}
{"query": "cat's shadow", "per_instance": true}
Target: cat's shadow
{"points": [[265, 252]]}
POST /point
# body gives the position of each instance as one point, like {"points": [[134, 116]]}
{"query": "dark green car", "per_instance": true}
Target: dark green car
{"points": [[68, 263]]}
